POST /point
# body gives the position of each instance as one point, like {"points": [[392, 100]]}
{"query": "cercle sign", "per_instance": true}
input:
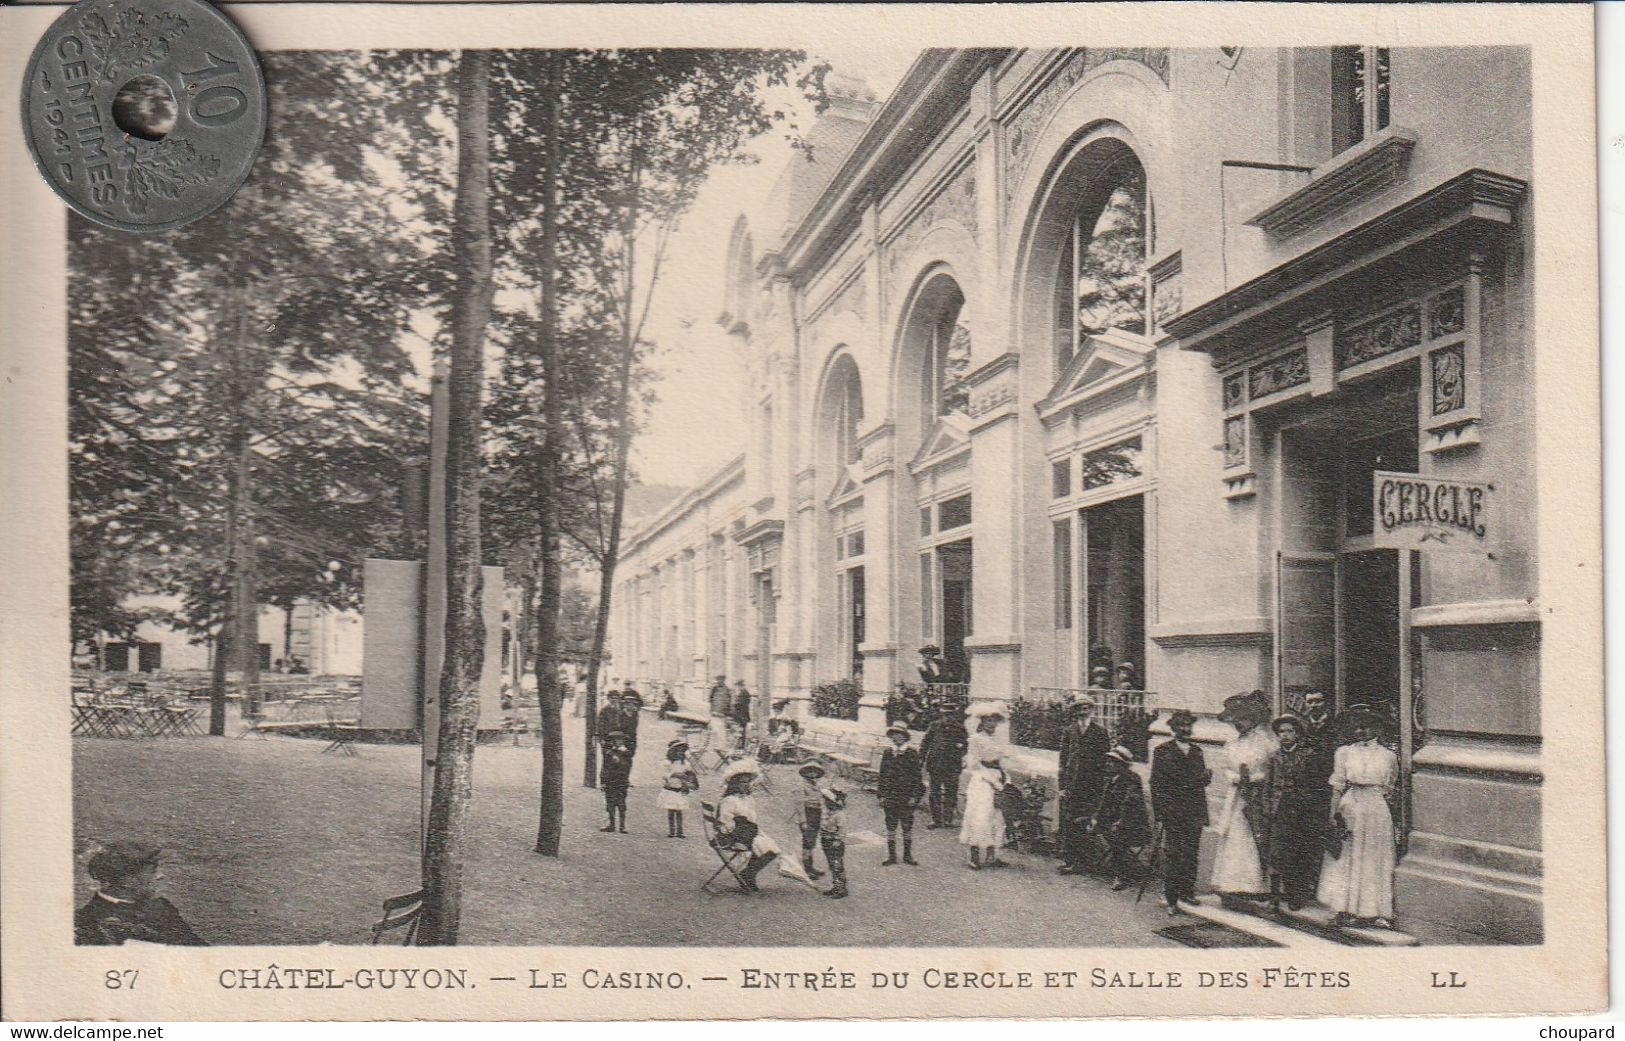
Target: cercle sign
{"points": [[1417, 511]]}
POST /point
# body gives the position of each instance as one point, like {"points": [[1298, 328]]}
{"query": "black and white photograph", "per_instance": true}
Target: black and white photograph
{"points": [[855, 494]]}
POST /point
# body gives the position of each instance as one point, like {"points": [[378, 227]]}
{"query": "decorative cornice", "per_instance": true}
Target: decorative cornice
{"points": [[1363, 170], [1223, 632], [761, 531], [986, 371], [1469, 205]]}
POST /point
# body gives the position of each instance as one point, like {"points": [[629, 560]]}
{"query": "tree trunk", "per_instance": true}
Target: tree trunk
{"points": [[550, 819], [217, 677], [612, 541], [443, 849], [248, 606]]}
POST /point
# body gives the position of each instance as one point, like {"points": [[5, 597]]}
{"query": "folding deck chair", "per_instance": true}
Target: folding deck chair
{"points": [[400, 912], [728, 852]]}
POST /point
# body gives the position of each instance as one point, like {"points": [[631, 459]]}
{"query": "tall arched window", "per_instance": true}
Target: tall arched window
{"points": [[947, 359], [1102, 269], [848, 418]]}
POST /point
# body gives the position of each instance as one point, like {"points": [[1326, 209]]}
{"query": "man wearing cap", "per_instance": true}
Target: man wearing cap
{"points": [[1179, 780], [900, 791], [127, 905], [1081, 778], [1297, 816], [942, 749], [810, 815], [1121, 819]]}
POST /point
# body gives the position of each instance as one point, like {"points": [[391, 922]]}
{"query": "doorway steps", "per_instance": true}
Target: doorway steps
{"points": [[1310, 927]]}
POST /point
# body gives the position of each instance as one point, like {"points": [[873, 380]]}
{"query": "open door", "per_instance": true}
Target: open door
{"points": [[1305, 627]]}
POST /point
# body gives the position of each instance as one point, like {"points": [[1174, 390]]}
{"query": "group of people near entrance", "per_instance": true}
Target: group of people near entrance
{"points": [[1306, 813]]}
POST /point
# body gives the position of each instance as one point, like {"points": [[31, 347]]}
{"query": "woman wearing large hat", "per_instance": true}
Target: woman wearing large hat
{"points": [[1358, 883], [737, 813], [982, 831], [1238, 867]]}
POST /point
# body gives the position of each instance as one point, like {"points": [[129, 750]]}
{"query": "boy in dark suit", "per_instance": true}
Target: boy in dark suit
{"points": [[1179, 780], [615, 777], [900, 791], [127, 905]]}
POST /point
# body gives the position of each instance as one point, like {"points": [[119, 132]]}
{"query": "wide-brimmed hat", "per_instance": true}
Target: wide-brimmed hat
{"points": [[1253, 705], [1181, 717], [809, 769], [1121, 754], [742, 768], [1287, 718], [833, 796], [930, 648], [986, 711], [631, 695], [1085, 704], [897, 728], [675, 743], [118, 861]]}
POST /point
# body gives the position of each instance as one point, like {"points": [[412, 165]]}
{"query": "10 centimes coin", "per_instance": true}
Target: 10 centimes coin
{"points": [[144, 115]]}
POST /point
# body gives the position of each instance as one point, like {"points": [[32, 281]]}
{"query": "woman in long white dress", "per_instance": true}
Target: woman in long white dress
{"points": [[1238, 869], [982, 830], [740, 822], [1358, 884]]}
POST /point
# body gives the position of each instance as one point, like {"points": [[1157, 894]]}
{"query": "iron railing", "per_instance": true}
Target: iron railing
{"points": [[1038, 717]]}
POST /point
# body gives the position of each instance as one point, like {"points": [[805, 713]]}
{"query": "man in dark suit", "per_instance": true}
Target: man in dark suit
{"points": [[127, 905], [943, 752], [900, 790], [1081, 779], [741, 711], [1179, 780]]}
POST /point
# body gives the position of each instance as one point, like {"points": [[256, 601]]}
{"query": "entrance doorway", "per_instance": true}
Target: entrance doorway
{"points": [[954, 565], [1342, 604], [1113, 536]]}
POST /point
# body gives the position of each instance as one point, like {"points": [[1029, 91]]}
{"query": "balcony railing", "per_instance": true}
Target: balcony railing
{"points": [[1038, 717]]}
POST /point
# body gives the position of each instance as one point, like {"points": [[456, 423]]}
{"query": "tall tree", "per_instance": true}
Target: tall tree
{"points": [[459, 706]]}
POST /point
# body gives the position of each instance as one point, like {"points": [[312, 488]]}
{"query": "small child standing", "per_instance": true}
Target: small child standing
{"points": [[832, 837], [615, 777], [810, 815], [680, 781]]}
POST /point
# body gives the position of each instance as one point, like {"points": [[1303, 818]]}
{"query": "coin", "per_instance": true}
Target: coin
{"points": [[144, 115]]}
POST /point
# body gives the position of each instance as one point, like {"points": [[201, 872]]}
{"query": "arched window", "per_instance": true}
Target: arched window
{"points": [[1102, 268], [848, 417], [947, 359]]}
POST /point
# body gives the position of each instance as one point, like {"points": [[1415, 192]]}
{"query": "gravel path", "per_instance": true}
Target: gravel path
{"points": [[272, 842]]}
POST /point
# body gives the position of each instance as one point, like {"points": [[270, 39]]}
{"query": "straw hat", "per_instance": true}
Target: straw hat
{"points": [[741, 768], [811, 770], [986, 710], [897, 728], [1121, 754], [1286, 718]]}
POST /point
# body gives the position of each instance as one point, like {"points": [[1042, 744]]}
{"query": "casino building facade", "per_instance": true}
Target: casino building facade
{"points": [[1212, 362]]}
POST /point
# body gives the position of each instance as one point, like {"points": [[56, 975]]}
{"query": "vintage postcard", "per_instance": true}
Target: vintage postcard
{"points": [[720, 512]]}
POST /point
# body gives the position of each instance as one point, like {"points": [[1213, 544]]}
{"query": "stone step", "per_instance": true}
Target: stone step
{"points": [[1320, 918], [1259, 925]]}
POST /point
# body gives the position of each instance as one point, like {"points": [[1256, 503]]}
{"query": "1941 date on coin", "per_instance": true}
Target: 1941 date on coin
{"points": [[144, 115]]}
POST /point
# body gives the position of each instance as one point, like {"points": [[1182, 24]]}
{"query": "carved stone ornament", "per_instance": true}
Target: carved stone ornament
{"points": [[1447, 313], [1278, 374], [1392, 332], [956, 201], [1449, 369]]}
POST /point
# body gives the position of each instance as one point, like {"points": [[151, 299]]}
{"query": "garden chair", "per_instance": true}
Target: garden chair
{"points": [[730, 853], [400, 912]]}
